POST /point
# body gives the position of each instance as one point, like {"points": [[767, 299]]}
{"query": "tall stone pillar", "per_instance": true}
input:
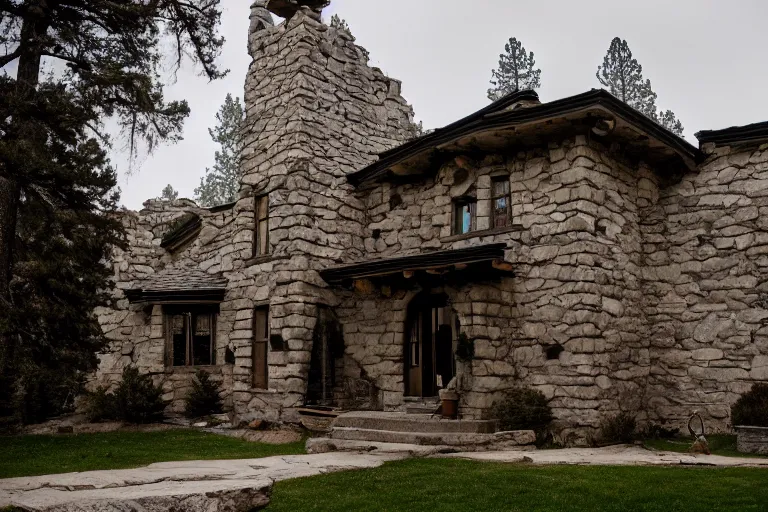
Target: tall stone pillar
{"points": [[315, 111]]}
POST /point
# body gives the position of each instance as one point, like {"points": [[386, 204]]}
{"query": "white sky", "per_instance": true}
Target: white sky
{"points": [[706, 59]]}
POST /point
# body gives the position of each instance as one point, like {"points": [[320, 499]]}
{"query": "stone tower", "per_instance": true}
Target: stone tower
{"points": [[315, 111]]}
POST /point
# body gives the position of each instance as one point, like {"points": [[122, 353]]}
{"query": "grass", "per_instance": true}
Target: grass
{"points": [[40, 455], [458, 485], [719, 444]]}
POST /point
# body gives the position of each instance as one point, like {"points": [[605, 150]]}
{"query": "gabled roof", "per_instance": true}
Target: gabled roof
{"points": [[747, 134], [594, 105], [179, 285]]}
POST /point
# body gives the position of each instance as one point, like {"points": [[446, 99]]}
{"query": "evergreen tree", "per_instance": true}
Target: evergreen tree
{"points": [[57, 188], [222, 183], [669, 121], [517, 71], [169, 193], [622, 75], [339, 23]]}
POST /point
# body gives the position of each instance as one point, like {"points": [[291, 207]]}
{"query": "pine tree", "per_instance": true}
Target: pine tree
{"points": [[622, 75], [57, 188], [669, 121], [169, 193], [222, 183], [517, 71], [339, 23]]}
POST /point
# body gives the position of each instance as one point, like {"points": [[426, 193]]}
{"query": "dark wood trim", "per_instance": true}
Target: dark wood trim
{"points": [[747, 134], [426, 261], [209, 296], [514, 228], [496, 116]]}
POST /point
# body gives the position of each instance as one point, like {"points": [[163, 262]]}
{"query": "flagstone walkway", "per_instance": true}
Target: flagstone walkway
{"points": [[244, 484]]}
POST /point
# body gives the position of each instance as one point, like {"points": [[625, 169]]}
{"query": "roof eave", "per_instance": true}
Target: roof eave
{"points": [[499, 118]]}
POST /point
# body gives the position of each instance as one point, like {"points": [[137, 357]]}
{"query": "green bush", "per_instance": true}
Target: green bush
{"points": [[204, 398], [618, 429], [523, 409], [100, 405], [135, 400], [751, 410]]}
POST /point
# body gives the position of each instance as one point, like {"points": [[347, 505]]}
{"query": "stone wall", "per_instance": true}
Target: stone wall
{"points": [[136, 332], [635, 289], [576, 248], [705, 284], [314, 112]]}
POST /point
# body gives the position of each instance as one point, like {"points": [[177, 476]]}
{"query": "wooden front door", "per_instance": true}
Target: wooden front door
{"points": [[430, 347]]}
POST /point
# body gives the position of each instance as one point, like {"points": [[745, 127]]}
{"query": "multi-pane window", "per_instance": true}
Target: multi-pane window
{"points": [[261, 235], [260, 344], [191, 337], [500, 207], [464, 216]]}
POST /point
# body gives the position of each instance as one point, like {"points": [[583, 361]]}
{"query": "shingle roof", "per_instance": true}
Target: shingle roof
{"points": [[747, 134], [179, 285], [498, 116]]}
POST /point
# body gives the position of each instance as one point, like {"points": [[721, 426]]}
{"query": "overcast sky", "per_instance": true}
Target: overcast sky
{"points": [[707, 61]]}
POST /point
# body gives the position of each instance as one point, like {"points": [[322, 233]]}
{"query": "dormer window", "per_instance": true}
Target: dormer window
{"points": [[261, 234], [501, 211], [464, 215]]}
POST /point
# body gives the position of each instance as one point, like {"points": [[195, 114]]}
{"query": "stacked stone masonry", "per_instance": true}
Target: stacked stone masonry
{"points": [[653, 288]]}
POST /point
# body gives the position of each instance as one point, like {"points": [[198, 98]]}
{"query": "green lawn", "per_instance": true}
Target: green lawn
{"points": [[719, 444], [40, 455], [437, 485]]}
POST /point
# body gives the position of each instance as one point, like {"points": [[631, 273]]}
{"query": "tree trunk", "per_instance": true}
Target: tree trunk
{"points": [[35, 25]]}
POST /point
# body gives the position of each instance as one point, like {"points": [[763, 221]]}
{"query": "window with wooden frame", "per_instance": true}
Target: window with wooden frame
{"points": [[464, 215], [190, 336], [261, 232], [501, 210], [260, 347]]}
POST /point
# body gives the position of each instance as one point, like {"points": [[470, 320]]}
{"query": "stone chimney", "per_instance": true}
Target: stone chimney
{"points": [[315, 112]]}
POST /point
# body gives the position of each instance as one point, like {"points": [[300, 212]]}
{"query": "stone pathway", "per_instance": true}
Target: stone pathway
{"points": [[611, 456], [233, 485], [240, 485]]}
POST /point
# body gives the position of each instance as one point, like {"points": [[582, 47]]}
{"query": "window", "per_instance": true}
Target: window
{"points": [[500, 207], [464, 216], [261, 234], [260, 342], [191, 339]]}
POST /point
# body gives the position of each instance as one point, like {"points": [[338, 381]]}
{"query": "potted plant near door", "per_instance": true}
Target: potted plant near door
{"points": [[449, 396], [750, 420]]}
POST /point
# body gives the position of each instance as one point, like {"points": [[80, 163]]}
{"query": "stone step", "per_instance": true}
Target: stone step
{"points": [[424, 423], [463, 440]]}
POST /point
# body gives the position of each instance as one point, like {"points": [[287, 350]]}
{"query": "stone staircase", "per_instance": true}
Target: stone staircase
{"points": [[356, 429]]}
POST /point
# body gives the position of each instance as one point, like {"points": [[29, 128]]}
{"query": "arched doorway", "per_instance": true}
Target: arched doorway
{"points": [[430, 345]]}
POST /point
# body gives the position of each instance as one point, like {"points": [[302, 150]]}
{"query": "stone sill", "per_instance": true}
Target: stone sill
{"points": [[210, 368], [747, 428], [260, 259], [486, 232]]}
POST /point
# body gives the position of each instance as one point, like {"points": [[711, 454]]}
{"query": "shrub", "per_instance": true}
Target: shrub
{"points": [[752, 408], [100, 405], [204, 398], [618, 429], [137, 399], [523, 409]]}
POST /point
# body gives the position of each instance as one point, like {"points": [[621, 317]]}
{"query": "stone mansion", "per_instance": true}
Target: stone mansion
{"points": [[583, 249]]}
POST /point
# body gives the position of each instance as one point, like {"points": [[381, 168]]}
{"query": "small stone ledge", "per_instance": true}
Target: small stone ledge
{"points": [[486, 232]]}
